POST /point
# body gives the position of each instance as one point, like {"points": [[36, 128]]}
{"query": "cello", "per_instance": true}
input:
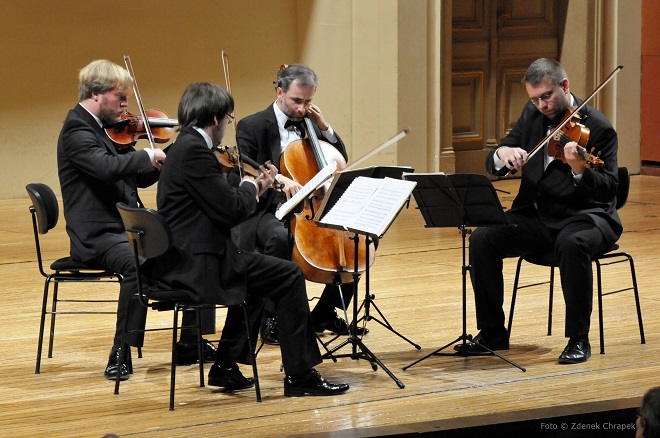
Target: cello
{"points": [[325, 255]]}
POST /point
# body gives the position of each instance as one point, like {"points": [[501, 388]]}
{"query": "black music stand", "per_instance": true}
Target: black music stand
{"points": [[370, 213], [339, 185], [458, 200]]}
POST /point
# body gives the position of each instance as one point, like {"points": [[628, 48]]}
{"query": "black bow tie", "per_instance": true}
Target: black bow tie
{"points": [[296, 124]]}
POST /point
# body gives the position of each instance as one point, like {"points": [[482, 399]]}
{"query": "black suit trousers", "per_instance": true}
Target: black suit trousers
{"points": [[282, 282], [574, 246], [120, 258]]}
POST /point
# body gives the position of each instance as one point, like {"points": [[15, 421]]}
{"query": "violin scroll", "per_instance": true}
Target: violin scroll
{"points": [[593, 161]]}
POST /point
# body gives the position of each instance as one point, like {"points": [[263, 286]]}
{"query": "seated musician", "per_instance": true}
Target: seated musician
{"points": [[562, 206], [263, 136], [94, 175], [201, 205]]}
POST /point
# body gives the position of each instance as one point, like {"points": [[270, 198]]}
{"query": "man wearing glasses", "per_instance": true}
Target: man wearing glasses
{"points": [[562, 206], [201, 205]]}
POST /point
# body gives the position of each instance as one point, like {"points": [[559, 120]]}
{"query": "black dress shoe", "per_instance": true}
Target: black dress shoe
{"points": [[269, 331], [311, 383], [111, 369], [338, 326], [578, 350], [493, 339], [186, 354], [229, 378]]}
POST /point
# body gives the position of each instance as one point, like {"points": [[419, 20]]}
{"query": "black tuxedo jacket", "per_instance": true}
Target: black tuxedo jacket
{"points": [[201, 204], [94, 176], [557, 198], [259, 138]]}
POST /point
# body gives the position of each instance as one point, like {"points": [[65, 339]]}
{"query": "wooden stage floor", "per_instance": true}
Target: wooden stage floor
{"points": [[416, 280]]}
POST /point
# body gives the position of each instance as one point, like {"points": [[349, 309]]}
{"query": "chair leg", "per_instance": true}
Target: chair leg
{"points": [[200, 354], [513, 295], [175, 329], [633, 275], [550, 299], [42, 325], [252, 353], [600, 306], [129, 359], [52, 318]]}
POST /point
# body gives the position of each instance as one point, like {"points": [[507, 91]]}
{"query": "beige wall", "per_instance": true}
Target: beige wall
{"points": [[171, 44], [379, 63], [599, 36]]}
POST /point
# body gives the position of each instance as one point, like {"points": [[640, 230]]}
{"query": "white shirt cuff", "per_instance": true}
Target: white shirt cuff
{"points": [[329, 134], [150, 153], [497, 161], [251, 181]]}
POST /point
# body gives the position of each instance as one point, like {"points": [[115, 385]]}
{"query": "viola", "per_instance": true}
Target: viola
{"points": [[131, 127], [572, 130]]}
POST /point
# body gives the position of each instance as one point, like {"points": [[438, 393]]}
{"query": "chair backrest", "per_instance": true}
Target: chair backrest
{"points": [[147, 231], [45, 206], [624, 187]]}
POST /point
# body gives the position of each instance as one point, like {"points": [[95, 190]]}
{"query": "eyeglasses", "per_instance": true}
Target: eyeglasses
{"points": [[230, 118], [544, 97]]}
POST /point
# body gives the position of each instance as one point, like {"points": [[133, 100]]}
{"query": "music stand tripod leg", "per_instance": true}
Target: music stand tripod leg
{"points": [[434, 352], [369, 301], [338, 283], [353, 339], [465, 337]]}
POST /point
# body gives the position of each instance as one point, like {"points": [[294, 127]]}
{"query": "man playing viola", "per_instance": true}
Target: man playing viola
{"points": [[562, 205]]}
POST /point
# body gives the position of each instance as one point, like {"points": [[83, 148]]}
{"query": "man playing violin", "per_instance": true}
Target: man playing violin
{"points": [[94, 175], [264, 136], [201, 204], [563, 205]]}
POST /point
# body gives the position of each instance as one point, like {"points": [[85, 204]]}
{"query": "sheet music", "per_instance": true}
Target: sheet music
{"points": [[369, 204], [307, 190]]}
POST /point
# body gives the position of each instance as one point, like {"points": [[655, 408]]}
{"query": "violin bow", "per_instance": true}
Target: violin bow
{"points": [[225, 68], [136, 91], [387, 144], [562, 124]]}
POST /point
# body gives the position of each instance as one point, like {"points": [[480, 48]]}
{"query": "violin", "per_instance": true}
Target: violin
{"points": [[559, 131], [572, 130], [230, 160], [131, 127]]}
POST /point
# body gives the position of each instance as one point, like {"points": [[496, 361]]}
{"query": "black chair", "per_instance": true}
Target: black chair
{"points": [[150, 236], [45, 214], [609, 257]]}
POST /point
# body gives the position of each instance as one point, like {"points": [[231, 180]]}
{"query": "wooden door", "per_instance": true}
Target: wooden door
{"points": [[494, 41], [650, 137]]}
